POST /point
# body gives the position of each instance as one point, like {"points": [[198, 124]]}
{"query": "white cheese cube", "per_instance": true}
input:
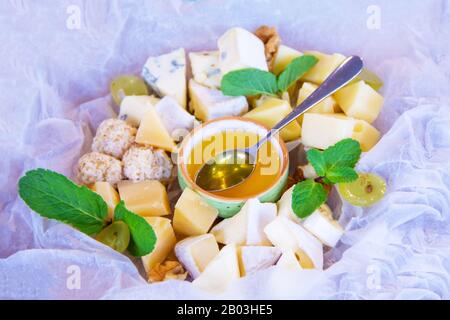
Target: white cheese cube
{"points": [[175, 118], [285, 206], [194, 253], [324, 67], [289, 261], [210, 103], [324, 130], [220, 272], [205, 68], [360, 101], [238, 49], [133, 108], [166, 75], [255, 258]]}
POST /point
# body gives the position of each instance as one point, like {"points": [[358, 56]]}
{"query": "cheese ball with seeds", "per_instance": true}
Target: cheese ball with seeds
{"points": [[146, 163], [96, 167], [113, 138]]}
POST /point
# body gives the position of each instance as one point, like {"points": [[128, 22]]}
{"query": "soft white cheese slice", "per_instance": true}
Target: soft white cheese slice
{"points": [[166, 75], [175, 118], [321, 224], [210, 103], [220, 272], [238, 49], [255, 258], [194, 253]]}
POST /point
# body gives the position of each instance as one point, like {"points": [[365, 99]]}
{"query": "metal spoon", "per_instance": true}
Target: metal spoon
{"points": [[243, 160]]}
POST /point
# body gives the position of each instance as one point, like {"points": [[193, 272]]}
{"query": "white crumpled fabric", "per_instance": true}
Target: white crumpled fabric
{"points": [[54, 92]]}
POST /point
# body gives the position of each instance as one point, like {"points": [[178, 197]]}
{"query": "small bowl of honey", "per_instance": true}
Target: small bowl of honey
{"points": [[266, 182]]}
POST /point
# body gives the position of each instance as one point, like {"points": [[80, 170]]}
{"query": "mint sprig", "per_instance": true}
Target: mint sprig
{"points": [[54, 196], [251, 81], [334, 165], [295, 70], [143, 237]]}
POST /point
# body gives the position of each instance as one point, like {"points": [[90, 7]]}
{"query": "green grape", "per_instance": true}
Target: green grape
{"points": [[126, 85], [370, 78], [116, 236], [368, 189]]}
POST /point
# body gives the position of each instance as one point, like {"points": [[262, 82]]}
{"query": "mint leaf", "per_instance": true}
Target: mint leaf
{"points": [[295, 70], [249, 82], [54, 196], [345, 153], [307, 196], [317, 160], [143, 238], [343, 174]]}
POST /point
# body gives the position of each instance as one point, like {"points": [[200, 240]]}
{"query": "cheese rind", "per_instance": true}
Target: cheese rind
{"points": [[194, 253], [166, 75], [220, 272], [193, 216], [145, 198], [205, 68], [165, 242], [324, 130], [209, 104], [108, 194], [255, 258], [176, 120], [238, 49], [133, 108], [285, 206], [270, 112], [283, 57], [153, 132], [324, 67], [360, 101]]}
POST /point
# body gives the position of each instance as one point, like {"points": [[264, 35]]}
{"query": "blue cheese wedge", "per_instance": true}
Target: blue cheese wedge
{"points": [[210, 103], [238, 49], [177, 120], [166, 75], [205, 68], [133, 108]]}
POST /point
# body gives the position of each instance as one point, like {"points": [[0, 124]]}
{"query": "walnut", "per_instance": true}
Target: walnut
{"points": [[166, 271], [269, 36]]}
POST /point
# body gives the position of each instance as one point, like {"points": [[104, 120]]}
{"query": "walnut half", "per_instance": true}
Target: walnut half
{"points": [[166, 271], [269, 36]]}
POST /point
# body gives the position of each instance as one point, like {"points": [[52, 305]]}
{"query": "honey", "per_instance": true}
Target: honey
{"points": [[267, 167]]}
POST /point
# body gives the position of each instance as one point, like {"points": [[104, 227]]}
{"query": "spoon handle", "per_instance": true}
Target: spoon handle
{"points": [[345, 73]]}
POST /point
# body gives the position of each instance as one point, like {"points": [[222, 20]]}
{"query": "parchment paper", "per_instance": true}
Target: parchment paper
{"points": [[54, 78]]}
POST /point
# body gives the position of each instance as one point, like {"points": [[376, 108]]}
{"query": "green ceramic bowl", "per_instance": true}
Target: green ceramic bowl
{"points": [[229, 206]]}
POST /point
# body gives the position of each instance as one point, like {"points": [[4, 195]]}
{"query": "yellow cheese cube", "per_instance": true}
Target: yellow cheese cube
{"points": [[109, 195], [152, 132], [133, 108], [145, 198], [165, 242], [194, 253], [193, 216], [324, 67], [324, 130], [328, 105], [283, 57], [366, 134], [360, 101], [270, 112]]}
